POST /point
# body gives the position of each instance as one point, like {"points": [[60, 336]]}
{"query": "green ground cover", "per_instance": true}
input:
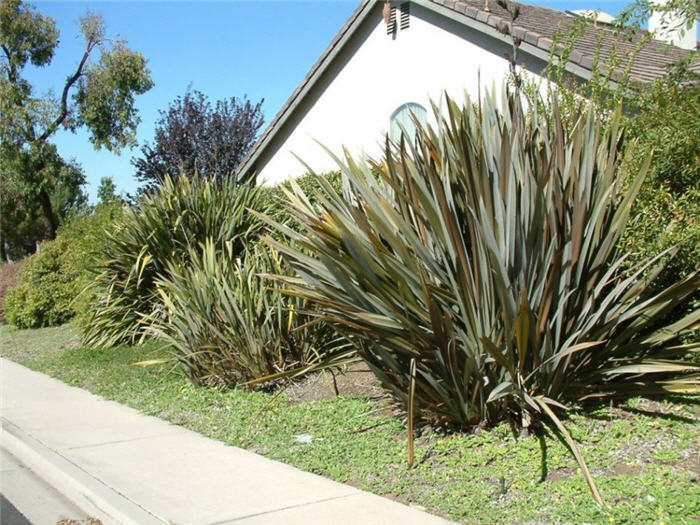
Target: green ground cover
{"points": [[643, 453]]}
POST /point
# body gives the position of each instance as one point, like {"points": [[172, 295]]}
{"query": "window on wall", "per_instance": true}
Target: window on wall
{"points": [[402, 121]]}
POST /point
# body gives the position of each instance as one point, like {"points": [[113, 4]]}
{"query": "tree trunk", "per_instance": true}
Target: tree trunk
{"points": [[47, 208], [3, 251]]}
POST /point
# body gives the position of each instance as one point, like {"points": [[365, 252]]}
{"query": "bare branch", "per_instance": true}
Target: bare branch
{"points": [[50, 130], [11, 70]]}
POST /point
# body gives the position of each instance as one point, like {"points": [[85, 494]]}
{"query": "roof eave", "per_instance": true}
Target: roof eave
{"points": [[532, 43]]}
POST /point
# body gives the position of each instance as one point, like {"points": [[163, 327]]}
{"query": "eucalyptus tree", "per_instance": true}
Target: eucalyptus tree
{"points": [[98, 95]]}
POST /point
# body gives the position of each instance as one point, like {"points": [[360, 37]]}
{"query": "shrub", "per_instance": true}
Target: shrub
{"points": [[310, 184], [481, 266], [87, 237], [162, 231], [9, 277], [50, 288], [229, 325], [47, 286], [667, 211]]}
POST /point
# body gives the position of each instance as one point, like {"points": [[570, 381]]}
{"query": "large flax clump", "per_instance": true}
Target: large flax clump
{"points": [[484, 254]]}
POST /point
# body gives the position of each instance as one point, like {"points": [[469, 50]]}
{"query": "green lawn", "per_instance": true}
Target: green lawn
{"points": [[644, 454]]}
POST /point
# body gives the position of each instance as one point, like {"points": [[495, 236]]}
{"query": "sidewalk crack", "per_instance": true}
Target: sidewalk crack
{"points": [[127, 440], [314, 502]]}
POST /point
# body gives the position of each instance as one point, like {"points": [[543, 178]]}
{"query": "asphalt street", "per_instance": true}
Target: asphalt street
{"points": [[26, 499], [9, 515]]}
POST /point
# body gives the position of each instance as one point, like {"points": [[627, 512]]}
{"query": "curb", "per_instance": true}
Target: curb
{"points": [[86, 491]]}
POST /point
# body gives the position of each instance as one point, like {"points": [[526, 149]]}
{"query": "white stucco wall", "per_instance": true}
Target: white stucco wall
{"points": [[374, 75], [672, 27]]}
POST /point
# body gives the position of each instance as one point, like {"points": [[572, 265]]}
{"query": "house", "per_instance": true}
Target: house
{"points": [[391, 59]]}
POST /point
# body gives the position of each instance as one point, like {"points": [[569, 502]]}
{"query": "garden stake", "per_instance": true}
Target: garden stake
{"points": [[411, 395]]}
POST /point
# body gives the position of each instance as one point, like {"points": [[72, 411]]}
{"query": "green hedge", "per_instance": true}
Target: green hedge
{"points": [[667, 210], [275, 199], [50, 289]]}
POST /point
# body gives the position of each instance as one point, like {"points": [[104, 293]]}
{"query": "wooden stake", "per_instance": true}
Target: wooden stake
{"points": [[411, 396]]}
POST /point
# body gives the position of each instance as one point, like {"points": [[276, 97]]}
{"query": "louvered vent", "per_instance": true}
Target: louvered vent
{"points": [[391, 26], [405, 15]]}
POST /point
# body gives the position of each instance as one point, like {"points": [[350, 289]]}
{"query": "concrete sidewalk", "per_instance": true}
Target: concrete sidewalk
{"points": [[125, 467]]}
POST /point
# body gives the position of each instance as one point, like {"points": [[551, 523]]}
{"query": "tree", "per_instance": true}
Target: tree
{"points": [[107, 191], [21, 217], [676, 14], [98, 95], [194, 136]]}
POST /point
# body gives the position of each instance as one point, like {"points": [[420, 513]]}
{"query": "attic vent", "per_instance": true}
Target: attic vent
{"points": [[405, 14], [391, 24]]}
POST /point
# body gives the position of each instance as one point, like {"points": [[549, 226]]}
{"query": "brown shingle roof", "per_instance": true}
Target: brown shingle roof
{"points": [[540, 26], [537, 26]]}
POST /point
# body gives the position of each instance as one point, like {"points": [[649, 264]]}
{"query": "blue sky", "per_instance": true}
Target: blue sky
{"points": [[223, 49]]}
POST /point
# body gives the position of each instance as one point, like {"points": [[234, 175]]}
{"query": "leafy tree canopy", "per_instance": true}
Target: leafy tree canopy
{"points": [[98, 95], [195, 136], [675, 14], [21, 219]]}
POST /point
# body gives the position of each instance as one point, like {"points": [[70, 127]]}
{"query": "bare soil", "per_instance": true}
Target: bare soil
{"points": [[355, 379]]}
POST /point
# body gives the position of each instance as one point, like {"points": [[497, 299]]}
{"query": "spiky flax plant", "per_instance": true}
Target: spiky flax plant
{"points": [[484, 255]]}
